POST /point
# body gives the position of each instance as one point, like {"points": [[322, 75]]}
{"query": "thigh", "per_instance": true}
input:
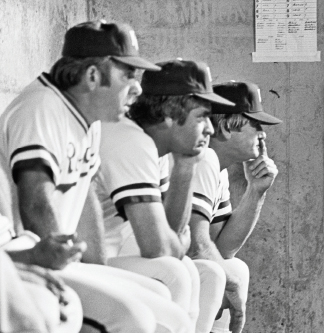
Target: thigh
{"points": [[19, 312], [145, 281], [47, 304], [170, 271], [212, 287], [109, 300]]}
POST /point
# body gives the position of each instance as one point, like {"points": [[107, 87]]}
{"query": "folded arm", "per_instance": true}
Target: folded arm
{"points": [[260, 175], [152, 231], [91, 229], [35, 193]]}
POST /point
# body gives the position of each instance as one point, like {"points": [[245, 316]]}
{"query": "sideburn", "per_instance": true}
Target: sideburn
{"points": [[105, 71]]}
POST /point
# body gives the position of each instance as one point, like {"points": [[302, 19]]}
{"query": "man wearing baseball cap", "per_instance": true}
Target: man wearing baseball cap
{"points": [[218, 232], [50, 150], [146, 221]]}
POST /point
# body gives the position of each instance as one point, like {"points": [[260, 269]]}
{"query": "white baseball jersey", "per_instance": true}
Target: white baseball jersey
{"points": [[41, 126], [131, 171], [211, 189]]}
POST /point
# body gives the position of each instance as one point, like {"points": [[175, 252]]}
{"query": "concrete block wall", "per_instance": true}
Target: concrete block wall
{"points": [[285, 252]]}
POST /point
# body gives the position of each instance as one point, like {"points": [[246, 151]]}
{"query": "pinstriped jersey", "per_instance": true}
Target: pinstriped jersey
{"points": [[211, 196], [41, 126], [131, 170]]}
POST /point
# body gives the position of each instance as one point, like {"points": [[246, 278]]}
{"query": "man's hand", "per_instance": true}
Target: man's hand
{"points": [[261, 172], [236, 292], [46, 278], [189, 159], [57, 250], [236, 305], [185, 238]]}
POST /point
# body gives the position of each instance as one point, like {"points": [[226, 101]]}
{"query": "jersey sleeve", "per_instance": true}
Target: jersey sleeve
{"points": [[164, 174], [224, 208], [34, 132], [131, 170], [205, 185]]}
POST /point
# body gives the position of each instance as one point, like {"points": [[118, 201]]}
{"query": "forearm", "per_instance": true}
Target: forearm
{"points": [[204, 249], [91, 230], [24, 256], [177, 203], [37, 209], [38, 215], [153, 245], [208, 251], [241, 223]]}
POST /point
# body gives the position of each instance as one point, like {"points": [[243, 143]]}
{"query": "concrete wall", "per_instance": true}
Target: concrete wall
{"points": [[286, 249], [31, 36]]}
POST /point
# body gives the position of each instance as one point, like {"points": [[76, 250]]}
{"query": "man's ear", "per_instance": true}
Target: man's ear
{"points": [[92, 77], [168, 121], [224, 134]]}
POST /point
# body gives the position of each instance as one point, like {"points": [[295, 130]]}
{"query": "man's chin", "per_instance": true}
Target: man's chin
{"points": [[252, 156], [196, 151]]}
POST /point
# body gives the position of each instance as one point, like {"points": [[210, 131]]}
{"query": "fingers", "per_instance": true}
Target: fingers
{"points": [[237, 321], [76, 249], [71, 241], [55, 280], [219, 314], [62, 238], [262, 147], [262, 166]]}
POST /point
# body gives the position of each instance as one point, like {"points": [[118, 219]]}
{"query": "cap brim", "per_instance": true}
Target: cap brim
{"points": [[262, 117], [215, 99], [137, 62]]}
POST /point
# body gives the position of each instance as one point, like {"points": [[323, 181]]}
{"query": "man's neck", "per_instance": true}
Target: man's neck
{"points": [[159, 136], [221, 151], [81, 102]]}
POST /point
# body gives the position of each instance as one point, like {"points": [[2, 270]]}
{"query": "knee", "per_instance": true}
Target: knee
{"points": [[175, 270], [174, 274], [211, 272], [181, 322], [242, 268]]}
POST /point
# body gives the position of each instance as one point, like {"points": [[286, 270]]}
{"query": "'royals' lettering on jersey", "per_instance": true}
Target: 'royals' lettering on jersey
{"points": [[41, 126]]}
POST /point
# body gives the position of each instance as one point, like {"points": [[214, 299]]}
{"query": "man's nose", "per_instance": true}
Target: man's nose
{"points": [[209, 129], [262, 134], [136, 88]]}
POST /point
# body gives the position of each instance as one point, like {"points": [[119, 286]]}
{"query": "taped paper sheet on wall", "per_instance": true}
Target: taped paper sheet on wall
{"points": [[285, 31]]}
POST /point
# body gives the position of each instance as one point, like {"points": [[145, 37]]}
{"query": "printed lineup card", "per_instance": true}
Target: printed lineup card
{"points": [[285, 31]]}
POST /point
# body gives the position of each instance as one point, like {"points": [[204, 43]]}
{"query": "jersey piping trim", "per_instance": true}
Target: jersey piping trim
{"points": [[133, 187], [224, 204], [120, 204], [200, 196], [137, 199], [164, 185], [221, 218], [164, 181], [77, 115], [202, 205], [33, 147], [201, 211], [224, 211]]}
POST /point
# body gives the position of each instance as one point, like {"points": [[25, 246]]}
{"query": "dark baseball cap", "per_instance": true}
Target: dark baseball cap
{"points": [[247, 99], [179, 77], [99, 39]]}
